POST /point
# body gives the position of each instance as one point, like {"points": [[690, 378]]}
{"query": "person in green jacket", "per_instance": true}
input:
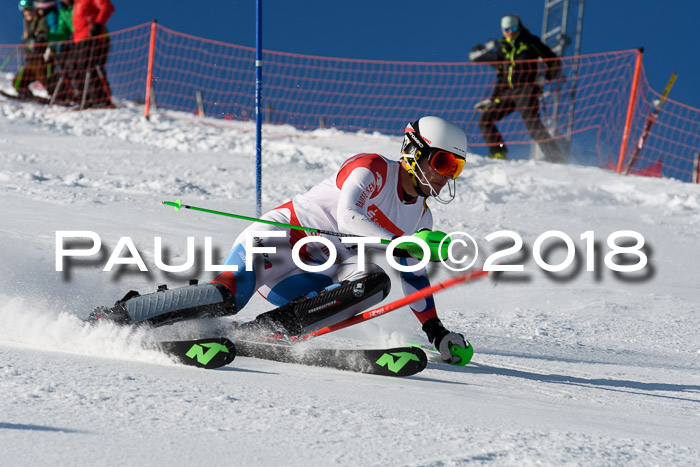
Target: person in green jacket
{"points": [[517, 88], [64, 30]]}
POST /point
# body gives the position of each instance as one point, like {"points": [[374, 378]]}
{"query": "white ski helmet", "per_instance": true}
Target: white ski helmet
{"points": [[426, 138]]}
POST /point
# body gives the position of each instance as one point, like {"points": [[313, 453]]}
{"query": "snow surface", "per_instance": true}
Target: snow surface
{"points": [[578, 368]]}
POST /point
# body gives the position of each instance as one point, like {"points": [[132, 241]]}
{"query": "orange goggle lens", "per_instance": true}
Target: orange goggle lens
{"points": [[447, 163]]}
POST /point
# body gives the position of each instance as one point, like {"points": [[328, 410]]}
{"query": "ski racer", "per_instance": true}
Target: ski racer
{"points": [[516, 88], [369, 196]]}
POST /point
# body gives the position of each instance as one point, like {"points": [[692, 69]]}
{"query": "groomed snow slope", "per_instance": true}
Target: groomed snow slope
{"points": [[586, 368]]}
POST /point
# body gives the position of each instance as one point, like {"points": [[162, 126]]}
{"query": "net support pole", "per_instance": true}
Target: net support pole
{"points": [[630, 110], [149, 73], [258, 110]]}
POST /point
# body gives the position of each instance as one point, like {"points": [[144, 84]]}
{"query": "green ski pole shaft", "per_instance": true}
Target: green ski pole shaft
{"points": [[178, 205], [4, 63]]}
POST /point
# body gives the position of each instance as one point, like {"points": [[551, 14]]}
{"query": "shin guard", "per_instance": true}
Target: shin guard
{"points": [[324, 307]]}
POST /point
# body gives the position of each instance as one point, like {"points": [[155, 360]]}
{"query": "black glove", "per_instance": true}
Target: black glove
{"points": [[96, 29], [443, 339]]}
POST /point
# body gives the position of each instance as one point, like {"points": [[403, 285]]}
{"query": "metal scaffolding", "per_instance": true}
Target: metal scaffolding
{"points": [[556, 24]]}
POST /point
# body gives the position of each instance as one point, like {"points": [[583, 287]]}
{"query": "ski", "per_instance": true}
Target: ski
{"points": [[208, 353], [33, 98], [398, 361]]}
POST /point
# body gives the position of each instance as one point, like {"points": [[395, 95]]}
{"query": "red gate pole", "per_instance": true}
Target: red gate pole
{"points": [[149, 73], [630, 110], [384, 309]]}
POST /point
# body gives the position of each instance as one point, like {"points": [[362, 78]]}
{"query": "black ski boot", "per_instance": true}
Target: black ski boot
{"points": [[168, 306], [279, 323], [116, 315]]}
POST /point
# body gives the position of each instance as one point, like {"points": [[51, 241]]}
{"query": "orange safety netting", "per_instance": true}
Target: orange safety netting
{"points": [[584, 111]]}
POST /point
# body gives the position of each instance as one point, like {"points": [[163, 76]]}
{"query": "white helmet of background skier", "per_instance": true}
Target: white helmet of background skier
{"points": [[444, 145]]}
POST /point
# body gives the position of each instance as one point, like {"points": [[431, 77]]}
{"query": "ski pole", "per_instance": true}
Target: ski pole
{"points": [[178, 205], [384, 309], [438, 245], [88, 75], [4, 63], [105, 84]]}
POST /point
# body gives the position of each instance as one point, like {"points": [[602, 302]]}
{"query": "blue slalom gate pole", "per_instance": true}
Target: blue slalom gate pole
{"points": [[258, 112]]}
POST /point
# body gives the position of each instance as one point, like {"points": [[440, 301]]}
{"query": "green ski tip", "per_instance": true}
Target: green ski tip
{"points": [[464, 354], [177, 204]]}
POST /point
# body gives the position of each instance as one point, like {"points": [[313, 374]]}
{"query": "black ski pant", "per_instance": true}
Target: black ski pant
{"points": [[90, 57], [64, 76], [524, 99]]}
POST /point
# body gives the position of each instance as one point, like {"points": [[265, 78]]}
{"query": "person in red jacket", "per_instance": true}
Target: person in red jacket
{"points": [[91, 50]]}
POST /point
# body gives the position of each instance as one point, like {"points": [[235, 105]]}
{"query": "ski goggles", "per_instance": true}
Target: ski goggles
{"points": [[447, 164], [513, 28]]}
